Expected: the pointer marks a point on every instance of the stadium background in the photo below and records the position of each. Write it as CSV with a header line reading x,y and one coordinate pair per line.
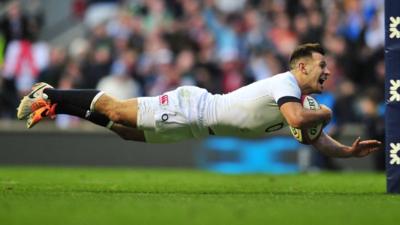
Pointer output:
x,y
146,47
71,172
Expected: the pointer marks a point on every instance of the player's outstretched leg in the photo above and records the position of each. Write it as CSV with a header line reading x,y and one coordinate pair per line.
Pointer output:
x,y
119,111
92,105
37,105
51,110
126,133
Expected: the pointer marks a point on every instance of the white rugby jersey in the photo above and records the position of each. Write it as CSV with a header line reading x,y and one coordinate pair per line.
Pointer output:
x,y
253,110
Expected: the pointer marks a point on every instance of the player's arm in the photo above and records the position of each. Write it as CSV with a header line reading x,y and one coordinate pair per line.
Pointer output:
x,y
333,148
299,117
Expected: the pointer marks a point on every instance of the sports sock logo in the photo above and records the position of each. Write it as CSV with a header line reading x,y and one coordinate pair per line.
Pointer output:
x,y
394,22
87,114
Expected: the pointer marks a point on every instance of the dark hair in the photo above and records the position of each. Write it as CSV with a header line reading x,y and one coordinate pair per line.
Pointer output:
x,y
305,50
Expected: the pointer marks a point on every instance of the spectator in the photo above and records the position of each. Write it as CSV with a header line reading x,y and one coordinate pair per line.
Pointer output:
x,y
96,67
100,11
157,16
374,121
15,24
100,38
23,62
283,38
52,73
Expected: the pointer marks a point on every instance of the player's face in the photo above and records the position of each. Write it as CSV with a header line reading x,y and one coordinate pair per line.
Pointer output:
x,y
318,72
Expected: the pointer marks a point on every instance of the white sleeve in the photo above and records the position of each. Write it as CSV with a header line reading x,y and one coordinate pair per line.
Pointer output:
x,y
284,89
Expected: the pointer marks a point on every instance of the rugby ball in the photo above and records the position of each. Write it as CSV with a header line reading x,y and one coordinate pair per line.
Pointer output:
x,y
308,135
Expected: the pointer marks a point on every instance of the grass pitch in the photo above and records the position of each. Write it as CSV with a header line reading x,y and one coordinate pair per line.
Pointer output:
x,y
30,195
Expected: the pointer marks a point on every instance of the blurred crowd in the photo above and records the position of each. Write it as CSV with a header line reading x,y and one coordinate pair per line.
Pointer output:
x,y
146,47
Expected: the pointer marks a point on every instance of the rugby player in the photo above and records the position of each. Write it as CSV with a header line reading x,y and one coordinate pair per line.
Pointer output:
x,y
188,112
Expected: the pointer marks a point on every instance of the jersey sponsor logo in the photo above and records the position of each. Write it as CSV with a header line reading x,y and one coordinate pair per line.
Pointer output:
x,y
394,157
164,117
164,100
394,31
394,91
88,113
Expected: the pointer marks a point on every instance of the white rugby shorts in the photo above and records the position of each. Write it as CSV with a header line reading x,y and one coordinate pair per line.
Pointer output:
x,y
173,116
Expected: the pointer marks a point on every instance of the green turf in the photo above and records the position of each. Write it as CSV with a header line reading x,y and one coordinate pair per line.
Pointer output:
x,y
130,196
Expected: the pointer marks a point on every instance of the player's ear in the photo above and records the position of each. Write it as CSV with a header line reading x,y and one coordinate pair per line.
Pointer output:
x,y
302,67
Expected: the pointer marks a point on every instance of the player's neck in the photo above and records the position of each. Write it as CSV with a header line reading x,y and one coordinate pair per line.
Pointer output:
x,y
302,82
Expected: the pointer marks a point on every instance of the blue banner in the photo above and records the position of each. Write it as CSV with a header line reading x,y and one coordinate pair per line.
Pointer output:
x,y
392,94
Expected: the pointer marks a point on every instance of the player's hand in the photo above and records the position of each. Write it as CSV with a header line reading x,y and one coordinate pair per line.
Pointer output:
x,y
364,148
327,114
